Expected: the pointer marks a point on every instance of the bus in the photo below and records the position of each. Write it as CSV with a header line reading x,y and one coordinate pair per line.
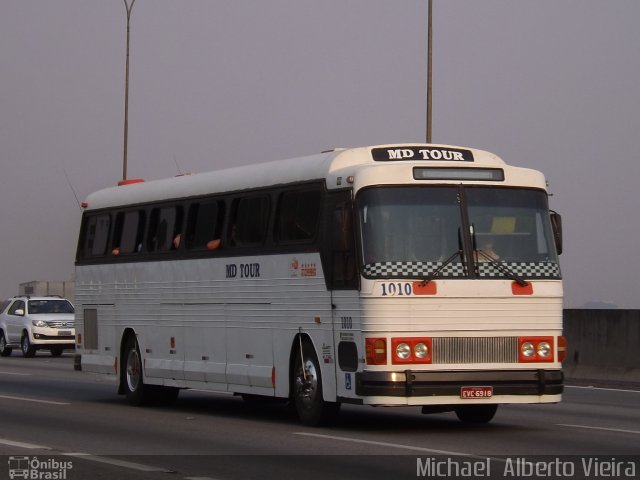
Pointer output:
x,y
395,275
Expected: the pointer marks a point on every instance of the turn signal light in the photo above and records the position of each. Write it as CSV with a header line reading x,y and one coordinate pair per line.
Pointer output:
x,y
376,351
562,348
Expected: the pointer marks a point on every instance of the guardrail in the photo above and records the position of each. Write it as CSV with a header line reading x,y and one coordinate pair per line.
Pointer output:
x,y
602,345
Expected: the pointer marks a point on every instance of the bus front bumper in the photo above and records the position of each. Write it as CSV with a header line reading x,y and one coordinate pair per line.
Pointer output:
x,y
411,383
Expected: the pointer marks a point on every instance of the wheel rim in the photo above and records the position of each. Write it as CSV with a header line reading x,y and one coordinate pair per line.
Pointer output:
x,y
133,370
307,384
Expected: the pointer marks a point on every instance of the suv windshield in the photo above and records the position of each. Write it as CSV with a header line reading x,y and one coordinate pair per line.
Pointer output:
x,y
412,231
50,306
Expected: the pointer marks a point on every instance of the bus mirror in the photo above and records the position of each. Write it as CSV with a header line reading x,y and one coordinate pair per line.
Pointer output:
x,y
556,225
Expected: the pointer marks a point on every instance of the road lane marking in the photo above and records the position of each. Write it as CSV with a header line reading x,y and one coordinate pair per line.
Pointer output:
x,y
602,388
384,444
619,430
118,463
29,446
34,400
17,374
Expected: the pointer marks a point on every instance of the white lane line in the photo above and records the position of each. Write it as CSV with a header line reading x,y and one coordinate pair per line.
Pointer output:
x,y
619,430
34,400
29,446
384,444
17,374
140,467
602,388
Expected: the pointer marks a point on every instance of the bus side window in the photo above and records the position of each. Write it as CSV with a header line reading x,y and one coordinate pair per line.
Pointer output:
x,y
341,252
128,233
298,213
204,225
250,218
165,226
96,236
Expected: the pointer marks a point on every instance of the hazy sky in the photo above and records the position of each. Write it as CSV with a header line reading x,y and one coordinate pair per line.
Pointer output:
x,y
547,84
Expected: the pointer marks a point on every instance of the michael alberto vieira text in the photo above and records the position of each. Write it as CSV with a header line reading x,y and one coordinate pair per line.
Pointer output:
x,y
521,467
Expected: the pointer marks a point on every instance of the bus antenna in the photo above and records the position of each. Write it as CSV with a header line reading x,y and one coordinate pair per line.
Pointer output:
x,y
71,187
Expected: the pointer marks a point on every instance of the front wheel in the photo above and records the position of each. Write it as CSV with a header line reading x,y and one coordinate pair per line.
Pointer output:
x,y
312,409
28,350
56,351
4,350
476,413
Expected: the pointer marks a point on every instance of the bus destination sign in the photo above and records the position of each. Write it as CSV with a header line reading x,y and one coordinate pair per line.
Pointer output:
x,y
422,153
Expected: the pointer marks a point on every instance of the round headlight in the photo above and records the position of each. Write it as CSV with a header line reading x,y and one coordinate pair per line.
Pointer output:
x,y
421,350
403,351
544,349
527,349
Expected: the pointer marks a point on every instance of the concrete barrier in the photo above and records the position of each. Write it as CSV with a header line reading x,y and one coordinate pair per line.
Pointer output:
x,y
602,345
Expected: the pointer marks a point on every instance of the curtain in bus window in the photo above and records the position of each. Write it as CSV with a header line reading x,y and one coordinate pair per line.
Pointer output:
x,y
164,229
249,225
410,231
97,235
204,225
129,231
512,226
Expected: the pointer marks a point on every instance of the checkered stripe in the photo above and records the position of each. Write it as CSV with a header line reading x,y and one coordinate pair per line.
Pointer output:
x,y
522,269
527,270
412,269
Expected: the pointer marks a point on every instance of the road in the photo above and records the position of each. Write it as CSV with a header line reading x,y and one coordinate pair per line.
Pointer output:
x,y
56,414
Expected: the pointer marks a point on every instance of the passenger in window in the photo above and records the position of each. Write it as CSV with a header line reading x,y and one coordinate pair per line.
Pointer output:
x,y
176,241
486,253
213,244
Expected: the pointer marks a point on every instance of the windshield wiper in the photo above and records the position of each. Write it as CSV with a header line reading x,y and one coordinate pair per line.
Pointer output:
x,y
438,270
503,268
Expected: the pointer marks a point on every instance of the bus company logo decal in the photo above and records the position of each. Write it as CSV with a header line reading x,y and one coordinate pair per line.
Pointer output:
x,y
422,153
304,269
36,469
294,265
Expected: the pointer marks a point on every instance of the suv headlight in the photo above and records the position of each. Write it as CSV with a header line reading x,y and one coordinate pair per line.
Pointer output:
x,y
39,323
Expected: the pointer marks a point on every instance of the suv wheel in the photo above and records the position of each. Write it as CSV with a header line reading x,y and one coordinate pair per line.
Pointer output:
x,y
56,351
28,350
4,350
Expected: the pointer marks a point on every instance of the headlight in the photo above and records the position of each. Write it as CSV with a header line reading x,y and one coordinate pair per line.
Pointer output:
x,y
527,349
421,350
39,323
544,349
403,351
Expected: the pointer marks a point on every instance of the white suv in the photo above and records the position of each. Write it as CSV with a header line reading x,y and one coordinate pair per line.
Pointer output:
x,y
33,323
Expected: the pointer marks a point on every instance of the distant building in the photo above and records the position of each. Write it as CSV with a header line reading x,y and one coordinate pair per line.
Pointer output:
x,y
64,288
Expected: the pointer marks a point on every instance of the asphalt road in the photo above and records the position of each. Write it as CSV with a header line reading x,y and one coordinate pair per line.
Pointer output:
x,y
75,425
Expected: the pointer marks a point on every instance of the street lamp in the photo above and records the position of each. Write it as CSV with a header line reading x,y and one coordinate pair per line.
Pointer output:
x,y
429,72
128,7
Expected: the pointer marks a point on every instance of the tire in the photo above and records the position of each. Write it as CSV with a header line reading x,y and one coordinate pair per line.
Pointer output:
x,y
4,350
136,391
28,350
306,389
476,414
138,394
56,351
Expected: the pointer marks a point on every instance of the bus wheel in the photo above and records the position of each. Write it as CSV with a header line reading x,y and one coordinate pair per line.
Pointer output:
x,y
307,389
133,382
476,413
4,350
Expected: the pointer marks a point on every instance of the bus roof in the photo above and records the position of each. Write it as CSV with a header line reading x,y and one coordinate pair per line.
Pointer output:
x,y
331,166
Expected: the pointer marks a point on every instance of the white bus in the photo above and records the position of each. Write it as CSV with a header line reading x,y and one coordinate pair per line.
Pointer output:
x,y
416,275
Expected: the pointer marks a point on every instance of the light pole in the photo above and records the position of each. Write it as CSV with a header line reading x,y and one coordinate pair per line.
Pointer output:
x,y
429,72
128,7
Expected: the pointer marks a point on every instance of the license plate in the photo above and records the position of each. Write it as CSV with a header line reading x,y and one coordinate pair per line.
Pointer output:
x,y
476,392
64,333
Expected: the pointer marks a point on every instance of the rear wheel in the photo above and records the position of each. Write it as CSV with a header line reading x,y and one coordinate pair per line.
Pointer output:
x,y
476,413
312,409
4,350
28,350
137,392
134,386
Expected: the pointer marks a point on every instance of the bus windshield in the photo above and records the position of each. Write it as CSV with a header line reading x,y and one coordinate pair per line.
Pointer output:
x,y
411,231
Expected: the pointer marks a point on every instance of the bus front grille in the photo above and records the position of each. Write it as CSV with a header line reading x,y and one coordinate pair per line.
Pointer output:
x,y
457,350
